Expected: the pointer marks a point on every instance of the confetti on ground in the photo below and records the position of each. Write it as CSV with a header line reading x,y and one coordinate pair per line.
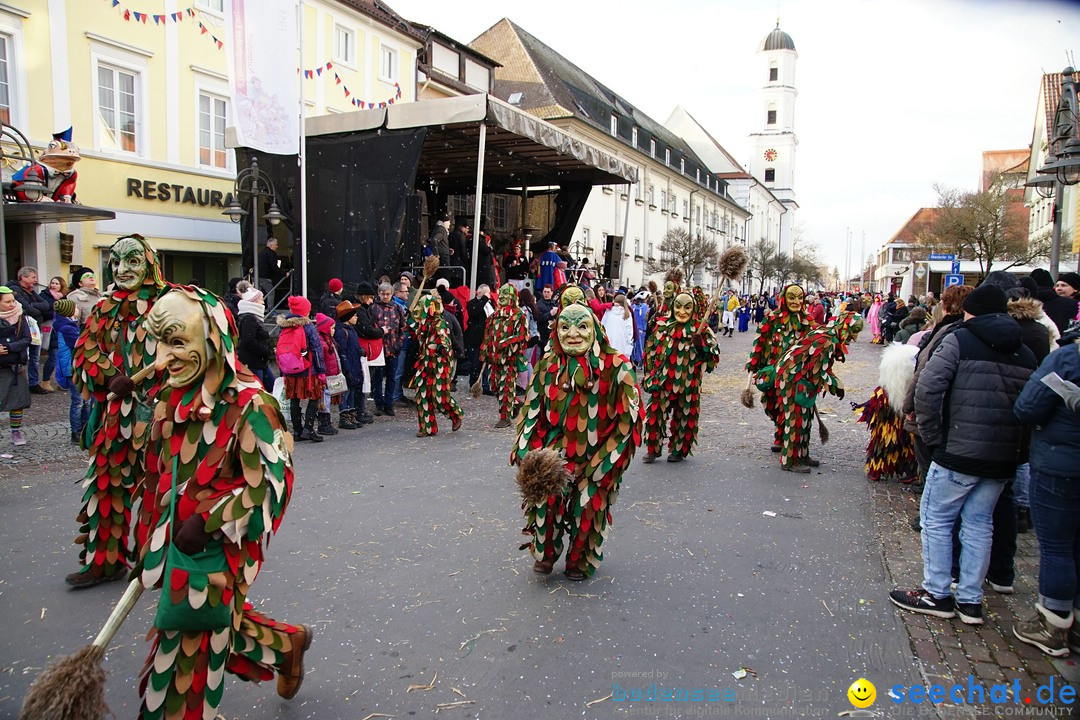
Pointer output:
x,y
597,701
424,687
769,513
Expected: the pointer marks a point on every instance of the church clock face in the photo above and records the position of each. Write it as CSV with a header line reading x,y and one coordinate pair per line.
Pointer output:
x,y
770,155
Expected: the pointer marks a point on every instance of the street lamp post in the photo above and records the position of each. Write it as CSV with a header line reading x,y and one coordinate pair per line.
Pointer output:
x,y
15,148
255,184
1064,168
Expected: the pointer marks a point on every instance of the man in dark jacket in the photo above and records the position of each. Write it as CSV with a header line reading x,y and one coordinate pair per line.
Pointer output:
x,y
547,306
440,240
479,309
460,247
253,345
963,404
36,307
269,270
1060,309
389,316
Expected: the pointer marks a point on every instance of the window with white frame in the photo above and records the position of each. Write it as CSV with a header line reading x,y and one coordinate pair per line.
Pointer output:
x,y
213,117
650,194
674,202
637,247
633,136
663,199
498,211
682,165
477,76
614,124
651,251
7,84
637,191
652,148
685,208
388,64
667,156
216,6
585,239
344,45
119,108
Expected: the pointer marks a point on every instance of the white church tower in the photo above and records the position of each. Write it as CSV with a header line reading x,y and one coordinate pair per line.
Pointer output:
x,y
773,148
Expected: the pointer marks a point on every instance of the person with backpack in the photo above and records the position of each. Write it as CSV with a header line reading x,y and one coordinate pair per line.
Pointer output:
x,y
66,327
299,357
349,353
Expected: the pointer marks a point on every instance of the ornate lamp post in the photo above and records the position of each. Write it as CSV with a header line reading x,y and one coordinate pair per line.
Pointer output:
x,y
252,183
1064,168
15,151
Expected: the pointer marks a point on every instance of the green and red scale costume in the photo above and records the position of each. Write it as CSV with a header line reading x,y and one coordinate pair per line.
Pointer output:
x,y
434,366
114,342
506,336
232,453
780,329
588,408
890,452
674,366
804,371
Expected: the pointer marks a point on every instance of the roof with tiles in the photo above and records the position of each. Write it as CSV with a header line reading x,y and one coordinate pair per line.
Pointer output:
x,y
553,87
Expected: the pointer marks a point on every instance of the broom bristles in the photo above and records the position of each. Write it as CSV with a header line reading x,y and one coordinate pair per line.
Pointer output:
x,y
733,262
72,688
542,473
747,397
431,266
822,430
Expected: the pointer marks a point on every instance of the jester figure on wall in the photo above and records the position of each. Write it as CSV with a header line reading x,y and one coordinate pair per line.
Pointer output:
x,y
434,366
681,349
804,371
218,480
113,348
780,330
506,336
583,405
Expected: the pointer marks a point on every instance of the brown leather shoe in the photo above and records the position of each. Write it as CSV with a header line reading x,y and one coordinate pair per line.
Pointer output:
x,y
503,422
543,567
455,425
291,672
421,433
574,574
80,580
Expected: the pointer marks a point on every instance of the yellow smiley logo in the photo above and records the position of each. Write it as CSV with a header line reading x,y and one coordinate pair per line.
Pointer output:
x,y
862,693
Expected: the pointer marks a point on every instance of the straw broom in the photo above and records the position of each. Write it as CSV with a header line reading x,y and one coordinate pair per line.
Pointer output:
x,y
73,687
431,266
475,388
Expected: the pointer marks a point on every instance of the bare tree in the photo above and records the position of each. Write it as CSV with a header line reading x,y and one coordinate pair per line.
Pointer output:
x,y
783,268
986,226
762,262
690,253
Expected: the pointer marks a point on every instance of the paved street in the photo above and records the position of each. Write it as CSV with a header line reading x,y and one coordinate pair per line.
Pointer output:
x,y
402,554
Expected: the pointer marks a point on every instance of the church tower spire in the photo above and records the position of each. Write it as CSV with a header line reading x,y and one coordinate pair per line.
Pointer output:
x,y
773,147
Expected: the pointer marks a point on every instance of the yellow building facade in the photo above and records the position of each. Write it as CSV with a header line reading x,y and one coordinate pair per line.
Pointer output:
x,y
145,86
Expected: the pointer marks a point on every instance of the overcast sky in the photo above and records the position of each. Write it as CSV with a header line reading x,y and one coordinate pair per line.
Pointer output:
x,y
894,95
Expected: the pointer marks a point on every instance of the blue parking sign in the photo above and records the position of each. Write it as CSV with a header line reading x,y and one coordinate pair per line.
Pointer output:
x,y
953,279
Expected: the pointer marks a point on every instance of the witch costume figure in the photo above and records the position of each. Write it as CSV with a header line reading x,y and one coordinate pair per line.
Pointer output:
x,y
506,336
804,371
582,407
218,479
434,366
890,451
782,327
113,348
684,349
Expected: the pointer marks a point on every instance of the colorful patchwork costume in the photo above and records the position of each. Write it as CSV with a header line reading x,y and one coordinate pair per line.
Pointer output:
x,y
804,371
891,449
582,402
226,440
114,343
782,327
434,366
506,336
684,349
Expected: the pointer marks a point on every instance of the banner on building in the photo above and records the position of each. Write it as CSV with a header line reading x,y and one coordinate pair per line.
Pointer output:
x,y
262,65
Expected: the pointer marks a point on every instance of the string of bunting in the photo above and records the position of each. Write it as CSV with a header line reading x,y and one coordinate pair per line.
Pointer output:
x,y
356,102
161,18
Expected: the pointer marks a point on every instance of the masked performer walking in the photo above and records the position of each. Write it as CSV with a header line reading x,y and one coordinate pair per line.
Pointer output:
x,y
782,327
683,351
434,366
582,402
505,339
218,479
804,371
114,347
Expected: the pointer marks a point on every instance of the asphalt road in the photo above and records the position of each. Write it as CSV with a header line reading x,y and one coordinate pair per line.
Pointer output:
x,y
402,554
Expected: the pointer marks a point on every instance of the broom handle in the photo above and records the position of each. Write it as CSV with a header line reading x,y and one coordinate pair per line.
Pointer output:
x,y
138,377
119,613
